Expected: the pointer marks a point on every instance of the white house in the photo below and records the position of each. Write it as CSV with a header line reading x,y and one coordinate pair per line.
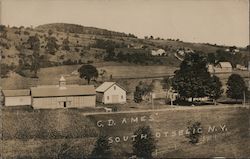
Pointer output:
x,y
223,67
111,93
241,67
63,96
158,52
19,97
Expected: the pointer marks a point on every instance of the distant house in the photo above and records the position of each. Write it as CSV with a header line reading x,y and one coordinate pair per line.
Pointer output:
x,y
224,67
19,97
111,93
240,67
221,67
158,52
63,96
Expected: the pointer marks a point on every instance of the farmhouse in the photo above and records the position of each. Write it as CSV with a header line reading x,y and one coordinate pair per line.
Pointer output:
x,y
19,97
221,67
158,52
241,67
63,96
111,93
224,67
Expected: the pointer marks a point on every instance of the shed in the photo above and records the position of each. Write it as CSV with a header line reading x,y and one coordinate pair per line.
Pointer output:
x,y
111,93
18,97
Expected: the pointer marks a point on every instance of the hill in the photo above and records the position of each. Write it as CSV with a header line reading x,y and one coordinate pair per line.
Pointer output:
x,y
70,44
79,29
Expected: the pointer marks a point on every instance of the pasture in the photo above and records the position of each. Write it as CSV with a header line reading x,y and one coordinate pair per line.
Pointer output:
x,y
43,133
51,75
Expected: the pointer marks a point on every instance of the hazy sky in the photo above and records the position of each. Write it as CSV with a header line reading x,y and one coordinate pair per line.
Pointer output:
x,y
213,21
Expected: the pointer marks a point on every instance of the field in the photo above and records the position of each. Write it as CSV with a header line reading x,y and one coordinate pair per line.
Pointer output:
x,y
36,134
51,75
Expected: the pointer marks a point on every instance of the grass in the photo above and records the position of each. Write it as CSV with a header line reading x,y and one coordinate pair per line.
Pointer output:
x,y
51,75
74,126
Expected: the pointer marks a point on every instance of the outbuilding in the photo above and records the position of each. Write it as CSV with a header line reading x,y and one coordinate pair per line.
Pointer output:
x,y
63,96
18,97
111,93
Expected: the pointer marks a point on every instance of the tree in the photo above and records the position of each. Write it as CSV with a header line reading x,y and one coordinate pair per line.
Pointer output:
x,y
110,50
65,44
88,72
35,65
248,47
194,130
102,148
215,88
51,46
235,87
141,90
192,80
34,42
211,58
144,146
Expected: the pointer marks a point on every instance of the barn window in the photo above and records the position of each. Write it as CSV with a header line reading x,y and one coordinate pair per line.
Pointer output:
x,y
107,97
114,87
121,96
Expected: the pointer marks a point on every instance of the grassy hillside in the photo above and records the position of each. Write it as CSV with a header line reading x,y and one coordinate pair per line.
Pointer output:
x,y
90,45
39,134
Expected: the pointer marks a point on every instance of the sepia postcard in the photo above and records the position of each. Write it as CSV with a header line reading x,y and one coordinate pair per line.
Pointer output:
x,y
124,79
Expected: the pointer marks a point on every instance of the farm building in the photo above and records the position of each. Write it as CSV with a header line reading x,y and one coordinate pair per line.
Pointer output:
x,y
241,67
19,97
158,52
111,93
221,67
63,96
224,67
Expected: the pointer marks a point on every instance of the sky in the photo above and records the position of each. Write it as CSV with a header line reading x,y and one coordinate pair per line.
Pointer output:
x,y
224,22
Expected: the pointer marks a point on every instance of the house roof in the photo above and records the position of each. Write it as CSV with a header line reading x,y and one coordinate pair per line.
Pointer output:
x,y
106,85
225,64
68,90
16,92
62,79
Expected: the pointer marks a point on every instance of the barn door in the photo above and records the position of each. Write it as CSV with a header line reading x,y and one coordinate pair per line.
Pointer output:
x,y
115,98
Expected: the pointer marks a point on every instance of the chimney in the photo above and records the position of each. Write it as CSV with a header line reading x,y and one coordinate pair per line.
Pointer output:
x,y
62,83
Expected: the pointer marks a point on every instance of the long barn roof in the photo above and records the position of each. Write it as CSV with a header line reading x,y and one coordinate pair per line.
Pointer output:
x,y
56,91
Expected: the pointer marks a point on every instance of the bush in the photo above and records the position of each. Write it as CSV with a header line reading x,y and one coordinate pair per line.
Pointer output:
x,y
195,132
102,148
144,147
26,33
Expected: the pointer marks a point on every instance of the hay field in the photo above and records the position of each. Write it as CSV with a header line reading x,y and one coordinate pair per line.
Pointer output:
x,y
22,132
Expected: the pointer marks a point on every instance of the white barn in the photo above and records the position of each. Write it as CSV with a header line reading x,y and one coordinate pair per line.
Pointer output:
x,y
19,97
111,93
63,96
